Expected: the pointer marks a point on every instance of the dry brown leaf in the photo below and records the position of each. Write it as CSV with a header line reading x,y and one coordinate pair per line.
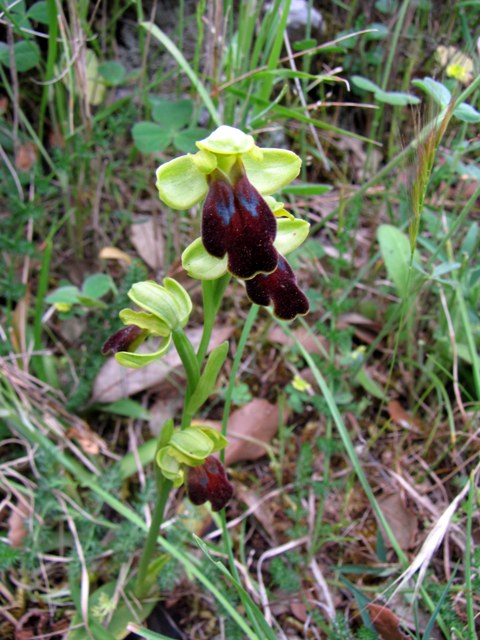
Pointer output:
x,y
250,429
26,156
147,238
263,512
17,530
402,521
313,344
402,418
89,441
114,382
386,623
164,409
112,253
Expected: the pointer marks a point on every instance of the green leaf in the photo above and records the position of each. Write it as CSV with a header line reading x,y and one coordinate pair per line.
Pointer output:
x,y
396,98
128,408
208,378
380,32
369,384
436,90
307,189
63,295
93,303
39,12
364,83
26,54
466,113
172,115
185,140
127,608
150,137
396,252
112,72
97,285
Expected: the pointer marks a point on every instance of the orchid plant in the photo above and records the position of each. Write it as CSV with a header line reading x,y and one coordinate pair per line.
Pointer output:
x,y
245,233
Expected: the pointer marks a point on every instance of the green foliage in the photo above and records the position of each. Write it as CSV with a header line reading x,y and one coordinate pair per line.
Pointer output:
x,y
171,126
286,572
9,556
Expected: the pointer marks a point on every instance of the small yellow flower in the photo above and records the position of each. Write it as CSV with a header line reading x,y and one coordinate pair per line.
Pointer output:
x,y
458,65
299,384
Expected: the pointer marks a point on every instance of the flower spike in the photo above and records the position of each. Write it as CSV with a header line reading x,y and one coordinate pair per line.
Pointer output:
x,y
236,220
279,288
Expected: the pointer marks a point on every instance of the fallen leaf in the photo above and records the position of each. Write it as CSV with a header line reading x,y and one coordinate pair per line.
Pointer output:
x,y
114,381
250,429
112,253
17,531
26,156
403,418
401,520
147,238
310,342
164,409
89,441
263,512
386,623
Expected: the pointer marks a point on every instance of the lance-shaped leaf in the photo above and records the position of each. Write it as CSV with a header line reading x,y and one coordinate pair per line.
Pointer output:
x,y
279,288
208,378
238,222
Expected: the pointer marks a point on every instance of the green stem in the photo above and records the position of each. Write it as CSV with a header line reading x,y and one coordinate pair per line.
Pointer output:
x,y
233,374
212,291
142,585
189,360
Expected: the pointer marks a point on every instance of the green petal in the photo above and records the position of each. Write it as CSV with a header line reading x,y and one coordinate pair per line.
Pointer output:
x,y
145,321
172,306
205,161
290,234
180,298
227,140
198,263
170,466
218,440
275,169
277,208
138,360
180,183
191,446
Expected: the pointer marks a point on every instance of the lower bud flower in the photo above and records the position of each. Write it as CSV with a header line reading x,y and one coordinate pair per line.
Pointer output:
x,y
209,481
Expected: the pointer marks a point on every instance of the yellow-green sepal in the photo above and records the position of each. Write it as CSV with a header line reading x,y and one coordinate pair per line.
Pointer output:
x,y
181,183
138,360
146,321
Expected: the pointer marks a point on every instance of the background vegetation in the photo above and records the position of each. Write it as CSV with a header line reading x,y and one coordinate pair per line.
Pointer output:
x,y
358,425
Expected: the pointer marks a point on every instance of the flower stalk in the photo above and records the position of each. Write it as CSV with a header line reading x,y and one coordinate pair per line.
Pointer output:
x,y
246,234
